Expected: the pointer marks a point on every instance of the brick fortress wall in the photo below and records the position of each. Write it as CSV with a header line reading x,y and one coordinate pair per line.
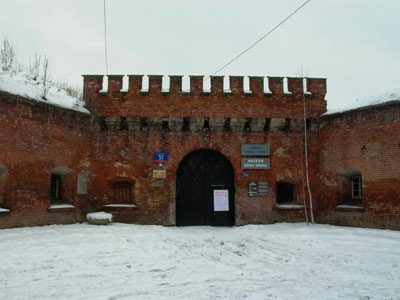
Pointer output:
x,y
366,142
36,138
117,142
133,124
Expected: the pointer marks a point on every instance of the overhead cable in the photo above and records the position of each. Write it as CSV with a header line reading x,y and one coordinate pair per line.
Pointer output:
x,y
261,38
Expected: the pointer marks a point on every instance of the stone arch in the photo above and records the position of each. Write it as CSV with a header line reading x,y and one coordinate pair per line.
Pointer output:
x,y
61,170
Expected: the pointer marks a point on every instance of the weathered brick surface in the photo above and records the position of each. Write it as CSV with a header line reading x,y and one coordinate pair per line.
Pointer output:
x,y
35,138
366,140
157,205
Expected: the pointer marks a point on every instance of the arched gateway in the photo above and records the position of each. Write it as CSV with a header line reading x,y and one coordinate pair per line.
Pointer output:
x,y
205,190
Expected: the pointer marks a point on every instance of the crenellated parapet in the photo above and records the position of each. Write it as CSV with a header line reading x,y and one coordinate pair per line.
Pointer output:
x,y
271,101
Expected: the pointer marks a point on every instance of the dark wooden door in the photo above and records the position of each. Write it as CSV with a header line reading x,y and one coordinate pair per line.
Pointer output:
x,y
198,175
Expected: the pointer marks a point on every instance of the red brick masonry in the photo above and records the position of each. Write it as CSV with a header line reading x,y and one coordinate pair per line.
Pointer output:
x,y
117,141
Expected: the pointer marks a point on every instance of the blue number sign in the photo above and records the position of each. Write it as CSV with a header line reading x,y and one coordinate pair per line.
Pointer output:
x,y
160,157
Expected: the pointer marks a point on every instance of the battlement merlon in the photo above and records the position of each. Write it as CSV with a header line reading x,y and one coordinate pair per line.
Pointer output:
x,y
103,101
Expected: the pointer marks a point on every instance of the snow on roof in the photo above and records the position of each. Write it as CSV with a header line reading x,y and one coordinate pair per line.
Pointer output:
x,y
379,98
23,85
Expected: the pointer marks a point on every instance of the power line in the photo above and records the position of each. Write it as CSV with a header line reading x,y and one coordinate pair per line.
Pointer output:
x,y
261,38
105,36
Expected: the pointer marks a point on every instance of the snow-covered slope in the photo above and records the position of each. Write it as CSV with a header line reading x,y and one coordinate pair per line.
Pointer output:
x,y
379,98
124,262
23,85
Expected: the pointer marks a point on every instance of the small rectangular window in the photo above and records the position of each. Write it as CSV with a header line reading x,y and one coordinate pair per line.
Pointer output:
x,y
284,192
186,124
356,187
55,187
123,124
227,125
165,124
123,193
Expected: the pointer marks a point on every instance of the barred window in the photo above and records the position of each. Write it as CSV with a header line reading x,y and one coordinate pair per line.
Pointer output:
x,y
350,187
356,187
123,192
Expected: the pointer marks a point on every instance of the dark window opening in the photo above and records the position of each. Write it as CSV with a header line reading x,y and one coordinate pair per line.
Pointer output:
x,y
164,124
123,125
103,123
227,125
267,125
3,171
247,125
186,124
350,187
286,128
55,187
123,193
206,125
284,192
308,124
3,174
356,187
143,124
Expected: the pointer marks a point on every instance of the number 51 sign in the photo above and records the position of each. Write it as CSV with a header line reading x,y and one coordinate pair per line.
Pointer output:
x,y
160,157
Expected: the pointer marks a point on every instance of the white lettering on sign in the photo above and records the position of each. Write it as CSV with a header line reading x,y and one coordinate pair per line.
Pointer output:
x,y
221,200
255,160
255,163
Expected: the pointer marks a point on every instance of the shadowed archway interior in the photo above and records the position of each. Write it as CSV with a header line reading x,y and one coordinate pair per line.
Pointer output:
x,y
199,175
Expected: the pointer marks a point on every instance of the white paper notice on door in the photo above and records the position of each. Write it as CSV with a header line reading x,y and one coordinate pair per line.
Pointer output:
x,y
221,200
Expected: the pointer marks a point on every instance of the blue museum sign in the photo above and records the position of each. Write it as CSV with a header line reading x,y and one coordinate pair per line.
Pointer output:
x,y
255,149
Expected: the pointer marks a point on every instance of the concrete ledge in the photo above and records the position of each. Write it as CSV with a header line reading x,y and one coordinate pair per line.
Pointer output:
x,y
289,206
4,211
119,207
349,208
61,207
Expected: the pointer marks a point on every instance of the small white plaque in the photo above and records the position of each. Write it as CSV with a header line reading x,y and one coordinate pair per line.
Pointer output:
x,y
221,200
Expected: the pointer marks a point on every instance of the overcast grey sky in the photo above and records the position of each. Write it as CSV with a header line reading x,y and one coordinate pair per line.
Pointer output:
x,y
355,44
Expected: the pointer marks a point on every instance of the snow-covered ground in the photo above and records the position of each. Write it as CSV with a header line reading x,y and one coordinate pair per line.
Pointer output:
x,y
122,261
23,85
